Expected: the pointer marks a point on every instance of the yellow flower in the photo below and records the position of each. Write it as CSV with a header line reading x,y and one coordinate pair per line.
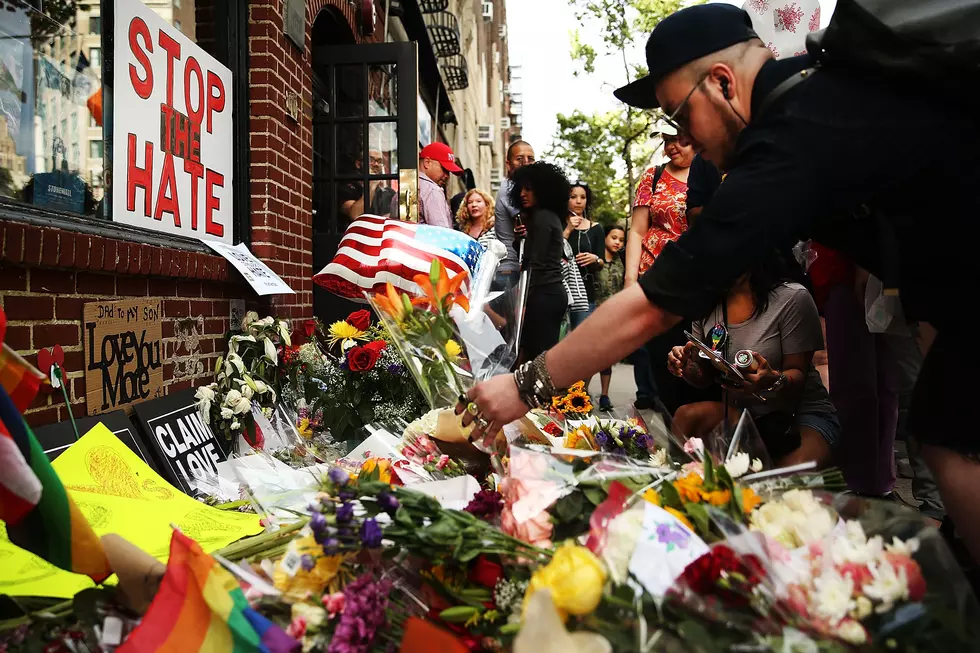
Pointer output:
x,y
750,500
302,583
652,496
580,438
578,386
718,497
453,350
343,331
681,517
689,488
304,428
375,469
574,577
578,402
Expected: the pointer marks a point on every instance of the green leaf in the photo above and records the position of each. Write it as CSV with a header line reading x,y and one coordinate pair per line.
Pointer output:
x,y
569,507
709,471
594,495
669,496
699,516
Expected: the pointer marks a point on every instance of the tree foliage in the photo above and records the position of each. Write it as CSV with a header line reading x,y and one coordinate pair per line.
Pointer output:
x,y
601,147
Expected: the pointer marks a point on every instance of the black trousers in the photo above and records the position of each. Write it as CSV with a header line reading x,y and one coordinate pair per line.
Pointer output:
x,y
544,310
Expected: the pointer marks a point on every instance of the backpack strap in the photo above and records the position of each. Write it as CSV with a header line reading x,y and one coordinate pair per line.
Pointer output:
x,y
789,83
656,177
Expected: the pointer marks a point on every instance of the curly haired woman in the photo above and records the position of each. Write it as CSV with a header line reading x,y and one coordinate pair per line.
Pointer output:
x,y
475,216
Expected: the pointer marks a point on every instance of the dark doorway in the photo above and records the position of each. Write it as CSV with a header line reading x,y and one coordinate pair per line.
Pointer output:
x,y
365,138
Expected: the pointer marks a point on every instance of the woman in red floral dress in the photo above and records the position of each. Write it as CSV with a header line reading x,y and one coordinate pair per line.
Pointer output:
x,y
659,216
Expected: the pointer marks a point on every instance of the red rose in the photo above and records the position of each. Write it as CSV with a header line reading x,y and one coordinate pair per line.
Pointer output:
x,y
360,320
485,572
362,359
309,328
740,573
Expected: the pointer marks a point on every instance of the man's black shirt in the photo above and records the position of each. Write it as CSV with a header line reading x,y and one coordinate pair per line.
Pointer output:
x,y
703,180
885,174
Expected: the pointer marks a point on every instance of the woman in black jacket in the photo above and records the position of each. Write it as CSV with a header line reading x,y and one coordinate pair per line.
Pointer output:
x,y
541,190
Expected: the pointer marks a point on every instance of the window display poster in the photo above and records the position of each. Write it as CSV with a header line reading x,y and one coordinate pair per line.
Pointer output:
x,y
172,117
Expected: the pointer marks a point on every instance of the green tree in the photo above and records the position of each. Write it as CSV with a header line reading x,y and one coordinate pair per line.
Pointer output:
x,y
603,146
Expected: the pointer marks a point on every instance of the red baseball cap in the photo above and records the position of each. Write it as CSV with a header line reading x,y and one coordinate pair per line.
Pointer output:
x,y
440,152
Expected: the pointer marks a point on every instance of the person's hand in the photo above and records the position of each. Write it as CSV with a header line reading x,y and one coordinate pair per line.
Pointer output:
x,y
585,258
496,402
574,220
677,359
520,230
755,382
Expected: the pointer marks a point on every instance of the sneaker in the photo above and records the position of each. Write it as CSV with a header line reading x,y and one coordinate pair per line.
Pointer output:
x,y
604,404
643,403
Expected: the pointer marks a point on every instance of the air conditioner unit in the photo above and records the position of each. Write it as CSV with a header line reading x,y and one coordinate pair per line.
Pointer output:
x,y
494,188
484,134
504,124
487,11
496,175
503,32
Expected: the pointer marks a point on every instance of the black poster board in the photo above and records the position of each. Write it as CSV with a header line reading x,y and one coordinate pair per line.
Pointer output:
x,y
182,443
56,438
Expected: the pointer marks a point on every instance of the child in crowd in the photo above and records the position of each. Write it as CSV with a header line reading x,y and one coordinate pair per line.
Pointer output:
x,y
609,281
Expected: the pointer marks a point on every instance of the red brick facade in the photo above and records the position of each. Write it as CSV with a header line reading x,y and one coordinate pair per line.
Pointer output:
x,y
47,274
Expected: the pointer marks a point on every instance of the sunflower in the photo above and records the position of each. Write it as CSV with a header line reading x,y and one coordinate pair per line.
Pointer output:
x,y
578,402
578,386
343,332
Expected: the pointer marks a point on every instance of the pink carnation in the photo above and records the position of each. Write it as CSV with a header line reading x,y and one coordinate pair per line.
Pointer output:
x,y
536,530
334,603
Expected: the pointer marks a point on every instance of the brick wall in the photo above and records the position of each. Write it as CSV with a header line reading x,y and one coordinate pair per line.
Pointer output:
x,y
47,275
281,151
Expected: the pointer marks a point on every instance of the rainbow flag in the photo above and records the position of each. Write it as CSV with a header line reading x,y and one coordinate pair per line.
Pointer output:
x,y
17,376
201,607
40,516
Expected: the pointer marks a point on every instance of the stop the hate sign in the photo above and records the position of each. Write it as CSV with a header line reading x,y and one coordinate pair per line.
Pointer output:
x,y
172,125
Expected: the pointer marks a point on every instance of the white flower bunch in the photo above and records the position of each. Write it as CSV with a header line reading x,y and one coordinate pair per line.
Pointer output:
x,y
794,520
739,464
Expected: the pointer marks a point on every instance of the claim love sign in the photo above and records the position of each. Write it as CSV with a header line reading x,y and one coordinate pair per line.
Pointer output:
x,y
172,120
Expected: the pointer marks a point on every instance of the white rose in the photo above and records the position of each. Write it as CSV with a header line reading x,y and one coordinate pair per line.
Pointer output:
x,y
242,406
250,317
226,413
246,391
236,425
232,397
205,393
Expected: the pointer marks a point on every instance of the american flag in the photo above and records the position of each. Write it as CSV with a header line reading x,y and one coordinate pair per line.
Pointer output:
x,y
375,251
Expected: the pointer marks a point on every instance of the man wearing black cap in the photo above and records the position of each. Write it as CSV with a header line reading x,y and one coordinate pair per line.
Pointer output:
x,y
822,154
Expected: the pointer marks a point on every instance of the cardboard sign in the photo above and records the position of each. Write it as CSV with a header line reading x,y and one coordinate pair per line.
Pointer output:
x,y
56,438
184,445
172,120
123,348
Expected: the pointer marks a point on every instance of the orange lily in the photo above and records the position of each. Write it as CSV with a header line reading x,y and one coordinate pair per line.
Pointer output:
x,y
391,303
446,292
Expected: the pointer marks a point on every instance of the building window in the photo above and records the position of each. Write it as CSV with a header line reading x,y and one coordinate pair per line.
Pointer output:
x,y
95,25
177,6
95,57
96,149
177,24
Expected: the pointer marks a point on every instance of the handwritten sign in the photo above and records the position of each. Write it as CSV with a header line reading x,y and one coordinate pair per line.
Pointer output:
x,y
123,364
184,444
55,439
262,279
172,113
118,493
664,549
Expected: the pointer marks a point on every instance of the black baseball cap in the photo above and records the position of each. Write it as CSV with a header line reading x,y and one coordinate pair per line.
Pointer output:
x,y
682,37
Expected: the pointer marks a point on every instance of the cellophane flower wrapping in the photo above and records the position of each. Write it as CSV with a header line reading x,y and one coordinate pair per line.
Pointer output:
x,y
448,342
837,570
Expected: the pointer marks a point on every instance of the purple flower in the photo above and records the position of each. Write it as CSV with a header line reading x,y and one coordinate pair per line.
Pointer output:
x,y
365,603
371,534
338,476
346,495
485,504
331,545
643,441
318,523
602,438
345,513
388,503
307,562
395,368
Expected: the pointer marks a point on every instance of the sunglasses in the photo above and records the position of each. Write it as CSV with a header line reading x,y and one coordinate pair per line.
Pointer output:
x,y
675,119
581,183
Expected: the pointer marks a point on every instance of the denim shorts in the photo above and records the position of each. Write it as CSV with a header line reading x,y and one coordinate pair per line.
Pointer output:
x,y
824,423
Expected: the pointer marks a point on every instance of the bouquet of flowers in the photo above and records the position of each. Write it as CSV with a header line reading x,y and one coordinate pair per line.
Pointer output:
x,y
247,374
349,375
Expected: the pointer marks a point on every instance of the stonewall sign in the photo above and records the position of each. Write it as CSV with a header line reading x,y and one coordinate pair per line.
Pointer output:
x,y
123,349
172,151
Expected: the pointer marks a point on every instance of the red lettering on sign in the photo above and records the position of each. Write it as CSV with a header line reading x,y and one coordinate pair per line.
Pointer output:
x,y
137,177
166,128
212,203
142,84
216,102
167,195
173,53
197,115
196,171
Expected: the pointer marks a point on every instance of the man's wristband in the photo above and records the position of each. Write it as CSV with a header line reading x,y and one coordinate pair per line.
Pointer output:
x,y
534,384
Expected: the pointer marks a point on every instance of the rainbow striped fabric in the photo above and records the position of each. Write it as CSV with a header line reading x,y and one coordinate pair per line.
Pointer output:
x,y
17,377
40,516
201,607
